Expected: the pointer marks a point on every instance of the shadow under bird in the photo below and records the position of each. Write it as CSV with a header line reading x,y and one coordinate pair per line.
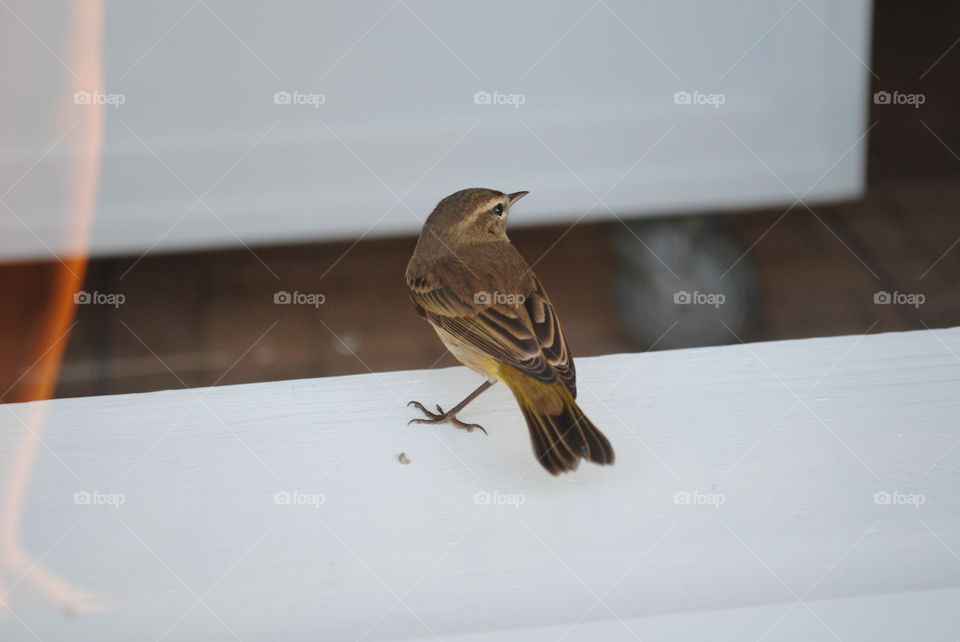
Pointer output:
x,y
491,312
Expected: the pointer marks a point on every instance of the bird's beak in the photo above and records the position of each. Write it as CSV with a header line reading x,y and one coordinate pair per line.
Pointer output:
x,y
516,196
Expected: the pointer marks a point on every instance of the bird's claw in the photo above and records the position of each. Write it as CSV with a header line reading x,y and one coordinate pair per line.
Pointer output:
x,y
440,417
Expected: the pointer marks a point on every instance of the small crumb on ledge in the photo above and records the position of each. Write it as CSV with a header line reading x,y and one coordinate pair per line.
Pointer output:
x,y
403,459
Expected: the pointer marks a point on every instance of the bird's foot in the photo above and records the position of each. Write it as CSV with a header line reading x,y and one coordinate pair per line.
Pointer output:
x,y
440,417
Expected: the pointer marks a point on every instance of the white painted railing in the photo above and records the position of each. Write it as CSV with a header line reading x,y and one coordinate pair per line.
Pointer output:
x,y
797,490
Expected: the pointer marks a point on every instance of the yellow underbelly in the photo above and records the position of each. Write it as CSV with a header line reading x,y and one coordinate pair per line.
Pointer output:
x,y
469,356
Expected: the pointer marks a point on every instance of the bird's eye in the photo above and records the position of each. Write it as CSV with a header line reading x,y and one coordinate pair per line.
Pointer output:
x,y
498,209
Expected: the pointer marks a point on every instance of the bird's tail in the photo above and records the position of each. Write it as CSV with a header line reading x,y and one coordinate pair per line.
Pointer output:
x,y
561,434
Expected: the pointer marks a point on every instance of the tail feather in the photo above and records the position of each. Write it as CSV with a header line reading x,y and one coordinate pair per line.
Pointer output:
x,y
559,431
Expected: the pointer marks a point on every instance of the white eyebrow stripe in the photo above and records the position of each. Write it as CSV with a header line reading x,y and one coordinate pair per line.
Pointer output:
x,y
495,200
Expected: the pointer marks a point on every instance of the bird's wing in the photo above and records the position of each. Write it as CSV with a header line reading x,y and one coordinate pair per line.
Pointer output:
x,y
553,344
526,336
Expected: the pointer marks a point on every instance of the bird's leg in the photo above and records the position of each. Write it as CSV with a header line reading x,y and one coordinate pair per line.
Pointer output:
x,y
450,416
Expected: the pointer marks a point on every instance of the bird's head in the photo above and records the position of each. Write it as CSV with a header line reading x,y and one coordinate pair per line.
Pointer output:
x,y
473,215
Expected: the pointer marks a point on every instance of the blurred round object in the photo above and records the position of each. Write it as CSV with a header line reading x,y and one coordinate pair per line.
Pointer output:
x,y
683,282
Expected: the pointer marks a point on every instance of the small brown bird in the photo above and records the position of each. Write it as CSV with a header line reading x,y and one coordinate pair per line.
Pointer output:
x,y
492,314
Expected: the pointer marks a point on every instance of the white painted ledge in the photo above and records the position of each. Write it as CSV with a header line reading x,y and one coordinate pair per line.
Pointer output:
x,y
604,553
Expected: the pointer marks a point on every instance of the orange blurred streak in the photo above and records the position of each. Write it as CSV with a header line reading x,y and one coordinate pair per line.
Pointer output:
x,y
84,37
